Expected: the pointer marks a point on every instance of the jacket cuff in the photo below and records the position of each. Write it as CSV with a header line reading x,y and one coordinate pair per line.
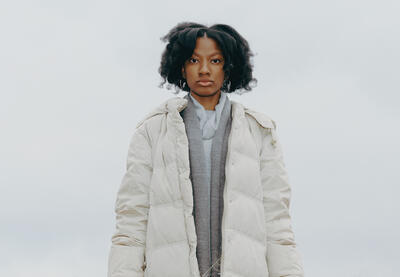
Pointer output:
x,y
126,261
284,261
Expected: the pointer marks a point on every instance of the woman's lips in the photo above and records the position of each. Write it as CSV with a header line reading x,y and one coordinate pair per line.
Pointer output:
x,y
205,83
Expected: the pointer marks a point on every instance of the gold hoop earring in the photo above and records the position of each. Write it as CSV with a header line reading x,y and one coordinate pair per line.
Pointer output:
x,y
182,84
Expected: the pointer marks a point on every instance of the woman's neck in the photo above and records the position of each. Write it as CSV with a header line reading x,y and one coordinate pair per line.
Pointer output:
x,y
208,102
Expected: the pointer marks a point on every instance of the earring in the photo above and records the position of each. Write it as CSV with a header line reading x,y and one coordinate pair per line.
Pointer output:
x,y
182,84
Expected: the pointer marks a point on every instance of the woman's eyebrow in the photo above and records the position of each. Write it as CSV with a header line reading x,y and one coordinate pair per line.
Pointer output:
x,y
213,54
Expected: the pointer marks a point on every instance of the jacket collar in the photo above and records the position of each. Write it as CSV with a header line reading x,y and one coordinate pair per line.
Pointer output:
x,y
174,105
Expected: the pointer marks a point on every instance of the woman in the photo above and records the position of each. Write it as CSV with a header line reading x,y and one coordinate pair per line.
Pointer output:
x,y
206,192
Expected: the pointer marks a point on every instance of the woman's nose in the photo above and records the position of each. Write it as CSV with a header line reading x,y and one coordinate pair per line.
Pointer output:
x,y
204,68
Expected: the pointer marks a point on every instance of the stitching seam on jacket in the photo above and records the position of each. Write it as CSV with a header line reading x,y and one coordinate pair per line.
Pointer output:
x,y
158,247
248,236
167,203
246,195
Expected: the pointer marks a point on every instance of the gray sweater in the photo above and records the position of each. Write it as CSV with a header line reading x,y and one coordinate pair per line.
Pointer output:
x,y
208,120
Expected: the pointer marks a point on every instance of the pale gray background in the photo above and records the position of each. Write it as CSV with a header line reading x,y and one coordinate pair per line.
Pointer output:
x,y
76,77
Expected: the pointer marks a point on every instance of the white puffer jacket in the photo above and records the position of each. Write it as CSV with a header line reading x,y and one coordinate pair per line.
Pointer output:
x,y
155,230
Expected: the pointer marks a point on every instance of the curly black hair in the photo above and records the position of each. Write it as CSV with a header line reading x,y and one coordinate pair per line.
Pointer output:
x,y
181,43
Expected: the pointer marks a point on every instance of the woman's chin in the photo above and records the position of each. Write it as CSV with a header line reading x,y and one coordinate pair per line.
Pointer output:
x,y
205,91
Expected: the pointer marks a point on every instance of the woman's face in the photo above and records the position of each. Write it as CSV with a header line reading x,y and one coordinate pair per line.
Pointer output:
x,y
203,71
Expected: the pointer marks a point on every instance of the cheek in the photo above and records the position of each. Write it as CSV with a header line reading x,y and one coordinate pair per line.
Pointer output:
x,y
190,75
221,77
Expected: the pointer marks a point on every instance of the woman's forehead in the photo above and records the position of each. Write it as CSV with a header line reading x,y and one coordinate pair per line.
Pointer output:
x,y
206,47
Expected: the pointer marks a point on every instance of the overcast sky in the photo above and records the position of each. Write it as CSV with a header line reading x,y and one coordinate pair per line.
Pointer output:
x,y
76,77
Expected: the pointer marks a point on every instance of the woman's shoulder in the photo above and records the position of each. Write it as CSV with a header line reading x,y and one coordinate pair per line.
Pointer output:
x,y
261,118
154,116
254,116
261,124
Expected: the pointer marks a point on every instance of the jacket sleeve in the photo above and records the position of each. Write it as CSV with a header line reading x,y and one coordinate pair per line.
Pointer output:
x,y
126,256
283,259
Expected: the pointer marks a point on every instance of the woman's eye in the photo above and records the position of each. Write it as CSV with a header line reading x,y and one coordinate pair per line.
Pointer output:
x,y
218,60
194,60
